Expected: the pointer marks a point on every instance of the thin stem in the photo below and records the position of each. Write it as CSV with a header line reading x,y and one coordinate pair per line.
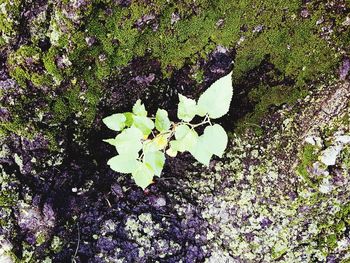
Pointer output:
x,y
209,121
109,203
206,120
78,245
252,124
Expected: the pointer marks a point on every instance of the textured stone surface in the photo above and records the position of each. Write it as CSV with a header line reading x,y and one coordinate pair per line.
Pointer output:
x,y
279,194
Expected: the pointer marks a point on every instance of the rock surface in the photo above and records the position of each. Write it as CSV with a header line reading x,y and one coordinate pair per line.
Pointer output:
x,y
280,193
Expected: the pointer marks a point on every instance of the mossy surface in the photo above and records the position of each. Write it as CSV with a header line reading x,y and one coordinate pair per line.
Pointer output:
x,y
308,156
9,15
92,41
265,99
64,65
346,157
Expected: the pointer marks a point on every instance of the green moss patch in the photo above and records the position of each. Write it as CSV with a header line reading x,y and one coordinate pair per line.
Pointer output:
x,y
308,156
94,45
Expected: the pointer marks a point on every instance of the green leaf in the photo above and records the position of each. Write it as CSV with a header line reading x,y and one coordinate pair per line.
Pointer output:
x,y
171,152
149,146
123,163
128,142
143,175
212,141
216,100
139,109
181,131
162,120
155,160
129,119
157,143
216,139
187,108
185,137
145,124
161,140
111,141
115,122
201,152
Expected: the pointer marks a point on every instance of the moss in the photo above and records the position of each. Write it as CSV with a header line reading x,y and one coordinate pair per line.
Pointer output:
x,y
333,229
49,61
82,104
198,76
345,157
344,121
40,238
60,110
264,98
22,66
41,80
17,126
51,137
23,53
20,63
340,227
8,198
344,213
103,70
308,155
293,43
331,241
20,75
9,15
269,29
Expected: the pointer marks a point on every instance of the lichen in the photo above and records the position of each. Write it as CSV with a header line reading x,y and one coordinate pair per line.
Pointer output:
x,y
9,15
266,204
280,194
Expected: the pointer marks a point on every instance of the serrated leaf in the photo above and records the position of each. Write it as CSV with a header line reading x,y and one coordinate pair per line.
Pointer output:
x,y
201,152
162,120
212,141
216,100
128,142
139,109
144,124
185,137
155,160
115,122
216,139
143,175
157,143
123,163
149,146
111,141
129,119
187,108
161,141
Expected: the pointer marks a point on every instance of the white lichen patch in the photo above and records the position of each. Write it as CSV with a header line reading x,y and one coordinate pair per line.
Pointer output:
x,y
265,211
329,156
314,140
5,251
18,161
143,231
32,220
